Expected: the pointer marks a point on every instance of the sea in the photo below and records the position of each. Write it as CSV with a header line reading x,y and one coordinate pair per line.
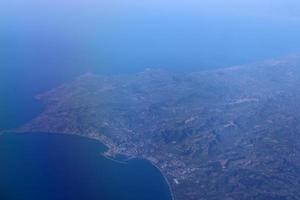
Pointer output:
x,y
55,166
35,57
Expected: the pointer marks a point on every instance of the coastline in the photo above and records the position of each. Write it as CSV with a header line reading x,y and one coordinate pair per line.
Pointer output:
x,y
153,164
166,179
109,157
172,194
114,160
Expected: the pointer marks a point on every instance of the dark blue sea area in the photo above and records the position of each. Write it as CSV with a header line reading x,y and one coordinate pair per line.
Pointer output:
x,y
55,166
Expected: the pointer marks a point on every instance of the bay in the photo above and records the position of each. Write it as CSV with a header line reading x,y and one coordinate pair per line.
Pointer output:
x,y
56,166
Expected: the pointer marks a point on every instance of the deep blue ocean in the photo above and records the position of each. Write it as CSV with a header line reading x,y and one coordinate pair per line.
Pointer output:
x,y
36,56
60,167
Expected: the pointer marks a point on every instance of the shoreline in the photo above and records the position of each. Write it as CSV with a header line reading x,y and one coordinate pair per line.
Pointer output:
x,y
114,160
102,153
166,179
147,160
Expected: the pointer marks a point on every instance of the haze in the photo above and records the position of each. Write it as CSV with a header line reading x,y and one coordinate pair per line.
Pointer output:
x,y
138,34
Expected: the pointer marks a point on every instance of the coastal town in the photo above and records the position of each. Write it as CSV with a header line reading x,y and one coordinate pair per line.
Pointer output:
x,y
228,134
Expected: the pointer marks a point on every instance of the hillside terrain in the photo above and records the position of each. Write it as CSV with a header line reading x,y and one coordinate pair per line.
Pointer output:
x,y
230,134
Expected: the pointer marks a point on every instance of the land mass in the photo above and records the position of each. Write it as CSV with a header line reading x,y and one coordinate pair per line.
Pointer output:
x,y
228,134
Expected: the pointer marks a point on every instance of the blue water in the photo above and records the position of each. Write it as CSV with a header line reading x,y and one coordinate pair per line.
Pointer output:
x,y
40,59
42,47
60,167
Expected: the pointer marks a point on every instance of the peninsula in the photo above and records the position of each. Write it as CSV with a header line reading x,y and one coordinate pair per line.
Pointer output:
x,y
228,134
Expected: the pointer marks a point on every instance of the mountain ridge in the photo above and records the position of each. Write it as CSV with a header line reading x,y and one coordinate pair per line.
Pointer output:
x,y
225,134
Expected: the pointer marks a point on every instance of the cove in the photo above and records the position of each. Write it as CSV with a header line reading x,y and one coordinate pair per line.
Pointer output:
x,y
56,166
